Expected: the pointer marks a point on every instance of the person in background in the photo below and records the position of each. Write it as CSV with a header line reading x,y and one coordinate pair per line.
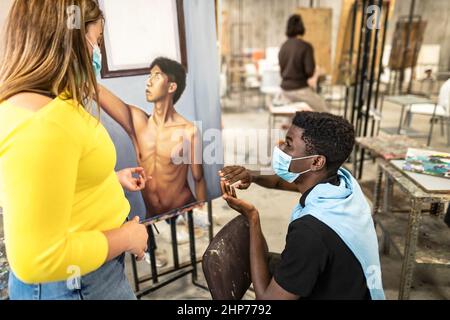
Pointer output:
x,y
64,207
298,68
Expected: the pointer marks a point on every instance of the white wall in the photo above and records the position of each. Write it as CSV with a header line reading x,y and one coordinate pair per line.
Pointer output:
x,y
268,20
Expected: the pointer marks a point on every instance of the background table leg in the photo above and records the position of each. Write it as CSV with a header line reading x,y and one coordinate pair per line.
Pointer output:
x,y
406,277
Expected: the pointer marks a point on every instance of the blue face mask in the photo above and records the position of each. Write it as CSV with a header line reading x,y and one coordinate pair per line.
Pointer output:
x,y
281,163
96,59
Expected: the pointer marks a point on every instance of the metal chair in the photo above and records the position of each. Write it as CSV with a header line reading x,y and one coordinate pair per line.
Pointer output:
x,y
438,112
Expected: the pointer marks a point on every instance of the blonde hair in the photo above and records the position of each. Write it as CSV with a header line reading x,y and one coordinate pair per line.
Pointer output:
x,y
44,54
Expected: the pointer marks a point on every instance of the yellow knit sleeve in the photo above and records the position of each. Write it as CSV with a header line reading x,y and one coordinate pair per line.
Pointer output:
x,y
39,177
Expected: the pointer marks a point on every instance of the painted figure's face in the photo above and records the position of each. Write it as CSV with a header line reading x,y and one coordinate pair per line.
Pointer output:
x,y
158,85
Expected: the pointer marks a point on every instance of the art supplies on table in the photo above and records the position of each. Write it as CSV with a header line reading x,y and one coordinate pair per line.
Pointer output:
x,y
434,163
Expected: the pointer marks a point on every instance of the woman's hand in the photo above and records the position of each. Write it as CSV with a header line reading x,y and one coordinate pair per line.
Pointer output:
x,y
137,238
129,182
246,209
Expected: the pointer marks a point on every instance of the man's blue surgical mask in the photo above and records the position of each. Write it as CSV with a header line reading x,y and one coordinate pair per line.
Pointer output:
x,y
96,59
281,163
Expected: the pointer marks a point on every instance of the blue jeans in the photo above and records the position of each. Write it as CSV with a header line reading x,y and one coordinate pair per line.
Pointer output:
x,y
106,283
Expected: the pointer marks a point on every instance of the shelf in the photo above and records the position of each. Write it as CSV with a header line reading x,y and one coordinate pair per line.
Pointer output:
x,y
433,244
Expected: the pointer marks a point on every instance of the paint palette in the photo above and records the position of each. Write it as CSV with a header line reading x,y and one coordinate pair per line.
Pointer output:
x,y
434,163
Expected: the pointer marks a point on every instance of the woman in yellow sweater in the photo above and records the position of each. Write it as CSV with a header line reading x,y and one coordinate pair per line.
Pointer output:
x,y
64,207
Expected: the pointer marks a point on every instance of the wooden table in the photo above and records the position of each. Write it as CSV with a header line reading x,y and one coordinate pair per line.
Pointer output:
x,y
433,251
387,147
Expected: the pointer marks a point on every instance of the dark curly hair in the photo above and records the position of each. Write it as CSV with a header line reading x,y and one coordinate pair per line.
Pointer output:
x,y
295,26
174,71
327,135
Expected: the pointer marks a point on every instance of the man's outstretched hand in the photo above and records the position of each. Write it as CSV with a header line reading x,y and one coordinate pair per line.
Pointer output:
x,y
246,209
237,176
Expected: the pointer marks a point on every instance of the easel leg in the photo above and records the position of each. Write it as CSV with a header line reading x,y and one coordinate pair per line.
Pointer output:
x,y
192,246
151,251
361,163
210,220
192,251
173,230
135,273
355,161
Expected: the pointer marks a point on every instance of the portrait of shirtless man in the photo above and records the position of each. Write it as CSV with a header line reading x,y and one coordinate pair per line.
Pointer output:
x,y
167,145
